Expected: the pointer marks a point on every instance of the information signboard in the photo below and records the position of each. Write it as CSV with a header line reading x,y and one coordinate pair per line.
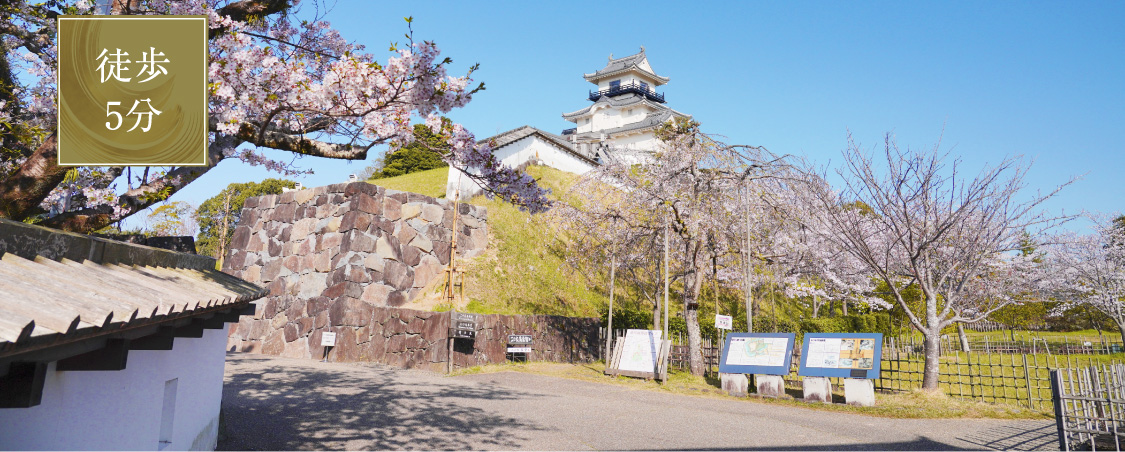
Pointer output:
x,y
757,353
724,322
327,339
844,355
463,325
640,351
520,339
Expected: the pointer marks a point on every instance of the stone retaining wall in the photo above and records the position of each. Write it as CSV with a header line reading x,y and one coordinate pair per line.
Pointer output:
x,y
418,339
342,258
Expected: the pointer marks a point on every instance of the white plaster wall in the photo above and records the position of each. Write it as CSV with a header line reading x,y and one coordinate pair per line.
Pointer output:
x,y
627,78
121,410
606,118
584,125
514,155
644,141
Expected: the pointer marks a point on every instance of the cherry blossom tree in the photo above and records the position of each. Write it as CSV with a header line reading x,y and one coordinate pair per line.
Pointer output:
x,y
691,187
1090,268
276,83
932,228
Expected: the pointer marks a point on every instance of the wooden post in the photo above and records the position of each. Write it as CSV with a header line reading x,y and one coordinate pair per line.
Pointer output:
x,y
612,275
749,281
1027,382
666,272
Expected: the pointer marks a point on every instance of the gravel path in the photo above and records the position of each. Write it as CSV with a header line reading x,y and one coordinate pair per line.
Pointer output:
x,y
272,403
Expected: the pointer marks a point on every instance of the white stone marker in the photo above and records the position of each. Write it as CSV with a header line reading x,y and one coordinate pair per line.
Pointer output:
x,y
817,389
734,384
770,385
859,392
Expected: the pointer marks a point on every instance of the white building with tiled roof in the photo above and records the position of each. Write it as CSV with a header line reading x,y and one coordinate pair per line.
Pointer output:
x,y
626,108
107,345
625,113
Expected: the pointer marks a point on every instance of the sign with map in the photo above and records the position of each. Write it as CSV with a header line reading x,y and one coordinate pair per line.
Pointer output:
x,y
640,351
757,353
845,355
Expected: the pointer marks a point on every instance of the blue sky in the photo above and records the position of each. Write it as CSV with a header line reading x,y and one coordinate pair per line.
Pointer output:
x,y
1045,80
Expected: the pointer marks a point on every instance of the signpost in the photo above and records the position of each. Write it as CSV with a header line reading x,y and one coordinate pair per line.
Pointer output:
x,y
519,346
327,340
724,322
461,326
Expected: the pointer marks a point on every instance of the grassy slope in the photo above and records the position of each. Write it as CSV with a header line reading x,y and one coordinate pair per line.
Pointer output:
x,y
522,271
429,183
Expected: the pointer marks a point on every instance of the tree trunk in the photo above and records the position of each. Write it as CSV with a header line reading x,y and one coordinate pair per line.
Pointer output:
x,y
23,190
844,305
964,338
815,306
932,350
1121,329
693,286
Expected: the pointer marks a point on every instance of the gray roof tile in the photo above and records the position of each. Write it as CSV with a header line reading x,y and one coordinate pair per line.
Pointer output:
x,y
618,65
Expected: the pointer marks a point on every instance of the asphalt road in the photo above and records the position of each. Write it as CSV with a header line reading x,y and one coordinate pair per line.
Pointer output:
x,y
272,403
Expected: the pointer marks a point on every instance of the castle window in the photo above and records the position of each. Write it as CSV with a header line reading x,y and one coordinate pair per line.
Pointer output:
x,y
615,85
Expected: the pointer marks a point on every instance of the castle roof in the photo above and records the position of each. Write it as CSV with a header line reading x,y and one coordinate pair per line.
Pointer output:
x,y
626,100
636,62
519,133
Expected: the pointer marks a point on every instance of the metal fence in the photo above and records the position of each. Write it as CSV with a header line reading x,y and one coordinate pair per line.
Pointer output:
x,y
1089,405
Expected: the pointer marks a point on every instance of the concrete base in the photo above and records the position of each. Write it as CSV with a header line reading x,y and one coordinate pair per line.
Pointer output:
x,y
859,392
734,384
817,389
770,385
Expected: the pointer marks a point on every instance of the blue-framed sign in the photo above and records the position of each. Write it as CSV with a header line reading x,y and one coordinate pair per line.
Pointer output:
x,y
757,353
844,355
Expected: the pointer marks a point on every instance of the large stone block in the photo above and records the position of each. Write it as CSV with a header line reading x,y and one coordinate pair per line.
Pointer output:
x,y
304,196
432,213
376,294
354,220
411,255
284,213
350,312
352,188
392,208
367,203
398,275
441,251
312,284
427,271
388,247
374,262
411,210
405,235
302,228
397,298
423,243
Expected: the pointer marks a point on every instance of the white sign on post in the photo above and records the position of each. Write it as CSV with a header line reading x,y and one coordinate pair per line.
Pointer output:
x,y
724,322
328,339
